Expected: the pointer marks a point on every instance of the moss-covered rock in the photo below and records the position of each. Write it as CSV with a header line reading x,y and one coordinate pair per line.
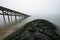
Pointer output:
x,y
38,29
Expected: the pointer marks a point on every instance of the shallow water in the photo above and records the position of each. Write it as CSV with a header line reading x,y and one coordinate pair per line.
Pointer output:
x,y
2,22
52,18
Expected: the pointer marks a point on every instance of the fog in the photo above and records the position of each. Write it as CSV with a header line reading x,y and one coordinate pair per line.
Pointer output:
x,y
37,9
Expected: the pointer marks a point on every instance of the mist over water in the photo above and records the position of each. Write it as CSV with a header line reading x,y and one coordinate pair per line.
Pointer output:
x,y
2,22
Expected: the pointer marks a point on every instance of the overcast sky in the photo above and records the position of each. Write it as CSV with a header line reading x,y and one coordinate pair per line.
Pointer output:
x,y
33,7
